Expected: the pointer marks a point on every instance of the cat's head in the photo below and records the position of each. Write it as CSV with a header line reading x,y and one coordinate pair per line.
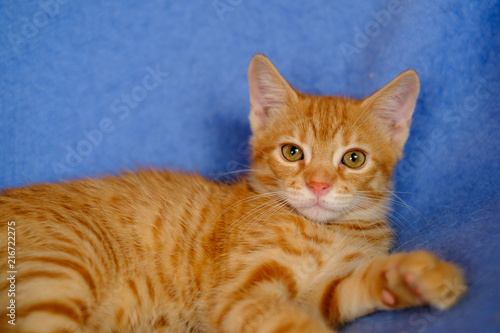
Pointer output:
x,y
327,157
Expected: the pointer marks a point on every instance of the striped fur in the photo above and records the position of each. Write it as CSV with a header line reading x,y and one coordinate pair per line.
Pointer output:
x,y
155,251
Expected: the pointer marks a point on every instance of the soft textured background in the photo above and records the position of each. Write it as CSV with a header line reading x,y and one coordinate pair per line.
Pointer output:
x,y
67,66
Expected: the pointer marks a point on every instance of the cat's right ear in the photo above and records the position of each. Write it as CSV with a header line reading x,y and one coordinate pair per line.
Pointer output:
x,y
393,106
269,91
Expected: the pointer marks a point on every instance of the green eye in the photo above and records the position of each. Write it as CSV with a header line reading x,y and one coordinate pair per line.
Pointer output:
x,y
354,159
292,153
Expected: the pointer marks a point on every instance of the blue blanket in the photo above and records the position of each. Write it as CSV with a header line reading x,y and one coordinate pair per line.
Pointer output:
x,y
94,87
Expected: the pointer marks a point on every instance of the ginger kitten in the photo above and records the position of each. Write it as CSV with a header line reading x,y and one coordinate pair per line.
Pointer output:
x,y
299,245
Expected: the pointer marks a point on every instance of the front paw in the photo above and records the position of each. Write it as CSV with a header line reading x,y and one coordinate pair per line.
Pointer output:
x,y
419,278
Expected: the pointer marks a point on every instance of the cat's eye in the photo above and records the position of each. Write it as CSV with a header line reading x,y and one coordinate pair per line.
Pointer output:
x,y
354,159
292,153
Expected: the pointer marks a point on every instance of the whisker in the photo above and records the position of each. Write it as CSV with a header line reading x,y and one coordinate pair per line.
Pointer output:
x,y
274,206
245,200
269,212
249,169
271,203
398,221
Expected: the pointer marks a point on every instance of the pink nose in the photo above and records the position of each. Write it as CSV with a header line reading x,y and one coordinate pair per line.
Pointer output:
x,y
318,188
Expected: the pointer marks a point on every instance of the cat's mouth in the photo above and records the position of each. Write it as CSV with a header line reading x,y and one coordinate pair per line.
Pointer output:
x,y
319,212
324,209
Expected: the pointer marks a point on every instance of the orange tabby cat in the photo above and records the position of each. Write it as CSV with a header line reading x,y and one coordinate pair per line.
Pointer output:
x,y
300,245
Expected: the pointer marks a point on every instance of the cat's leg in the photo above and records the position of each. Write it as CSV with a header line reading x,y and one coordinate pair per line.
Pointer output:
x,y
393,282
264,302
55,283
50,297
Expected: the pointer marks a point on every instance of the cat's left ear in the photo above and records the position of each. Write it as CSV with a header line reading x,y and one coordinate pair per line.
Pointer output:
x,y
393,105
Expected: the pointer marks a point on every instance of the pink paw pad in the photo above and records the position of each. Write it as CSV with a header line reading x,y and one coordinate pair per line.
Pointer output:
x,y
388,298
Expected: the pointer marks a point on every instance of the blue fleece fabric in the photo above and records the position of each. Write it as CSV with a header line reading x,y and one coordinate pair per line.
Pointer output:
x,y
94,87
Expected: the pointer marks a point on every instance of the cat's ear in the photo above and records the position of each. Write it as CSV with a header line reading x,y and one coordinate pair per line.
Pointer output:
x,y
393,105
268,91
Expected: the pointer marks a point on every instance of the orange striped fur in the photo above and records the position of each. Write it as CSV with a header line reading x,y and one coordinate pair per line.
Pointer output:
x,y
295,246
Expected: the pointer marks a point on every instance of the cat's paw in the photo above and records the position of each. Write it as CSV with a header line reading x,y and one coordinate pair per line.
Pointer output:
x,y
419,278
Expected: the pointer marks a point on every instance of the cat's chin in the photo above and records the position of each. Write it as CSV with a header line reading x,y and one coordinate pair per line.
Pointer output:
x,y
319,214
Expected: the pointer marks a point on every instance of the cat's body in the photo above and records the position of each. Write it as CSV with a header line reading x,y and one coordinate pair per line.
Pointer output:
x,y
300,245
164,259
